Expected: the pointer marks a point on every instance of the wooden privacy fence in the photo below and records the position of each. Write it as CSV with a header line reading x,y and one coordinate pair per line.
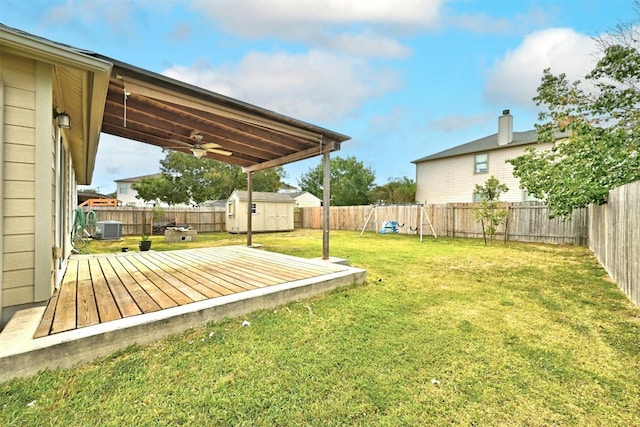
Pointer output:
x,y
526,221
614,237
139,220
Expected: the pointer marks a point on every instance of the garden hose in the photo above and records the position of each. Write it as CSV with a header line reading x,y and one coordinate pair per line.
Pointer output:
x,y
82,223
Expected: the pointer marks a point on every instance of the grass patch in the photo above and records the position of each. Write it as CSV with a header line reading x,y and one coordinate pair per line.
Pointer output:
x,y
446,331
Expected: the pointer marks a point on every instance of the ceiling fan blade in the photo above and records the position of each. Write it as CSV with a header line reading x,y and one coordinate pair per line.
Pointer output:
x,y
208,145
220,152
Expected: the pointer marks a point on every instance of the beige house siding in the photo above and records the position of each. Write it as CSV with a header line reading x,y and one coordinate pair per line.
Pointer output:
x,y
456,179
45,171
19,78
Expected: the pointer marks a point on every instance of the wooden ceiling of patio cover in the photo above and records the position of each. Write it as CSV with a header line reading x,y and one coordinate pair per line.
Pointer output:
x,y
154,109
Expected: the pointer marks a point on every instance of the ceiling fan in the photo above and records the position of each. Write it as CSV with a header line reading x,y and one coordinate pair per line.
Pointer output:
x,y
200,149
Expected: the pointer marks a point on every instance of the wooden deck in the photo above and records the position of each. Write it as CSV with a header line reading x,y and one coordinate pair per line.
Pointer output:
x,y
101,288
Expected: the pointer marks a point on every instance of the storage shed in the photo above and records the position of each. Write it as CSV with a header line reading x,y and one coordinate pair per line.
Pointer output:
x,y
269,212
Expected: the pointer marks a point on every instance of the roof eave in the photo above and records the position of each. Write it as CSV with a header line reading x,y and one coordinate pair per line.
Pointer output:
x,y
93,91
205,95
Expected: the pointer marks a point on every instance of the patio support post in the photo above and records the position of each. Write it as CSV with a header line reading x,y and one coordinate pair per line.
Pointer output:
x,y
249,204
326,200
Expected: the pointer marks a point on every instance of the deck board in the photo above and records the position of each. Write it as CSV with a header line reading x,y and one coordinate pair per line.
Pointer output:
x,y
125,302
101,288
143,300
87,311
65,314
191,294
106,305
44,328
210,279
180,273
235,281
162,299
275,274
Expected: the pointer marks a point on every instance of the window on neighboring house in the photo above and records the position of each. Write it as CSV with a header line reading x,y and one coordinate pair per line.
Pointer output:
x,y
477,198
482,163
526,197
254,208
122,187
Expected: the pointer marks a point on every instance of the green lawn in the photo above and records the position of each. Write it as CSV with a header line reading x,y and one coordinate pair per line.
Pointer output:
x,y
446,331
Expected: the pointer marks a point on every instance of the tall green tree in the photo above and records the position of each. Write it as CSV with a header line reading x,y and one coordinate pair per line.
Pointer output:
x,y
491,212
188,179
351,182
396,190
602,118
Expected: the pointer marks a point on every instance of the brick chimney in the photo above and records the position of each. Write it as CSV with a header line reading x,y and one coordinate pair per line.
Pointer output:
x,y
505,128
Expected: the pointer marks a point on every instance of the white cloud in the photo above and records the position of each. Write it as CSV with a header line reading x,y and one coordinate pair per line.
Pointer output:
x,y
457,122
316,86
520,23
356,27
515,78
369,45
250,17
120,158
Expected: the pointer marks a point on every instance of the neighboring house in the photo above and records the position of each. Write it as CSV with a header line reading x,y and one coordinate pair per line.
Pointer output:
x,y
127,195
304,199
450,176
287,188
269,211
52,99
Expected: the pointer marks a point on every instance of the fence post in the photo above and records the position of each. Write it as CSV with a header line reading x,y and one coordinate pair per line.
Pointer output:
x,y
506,225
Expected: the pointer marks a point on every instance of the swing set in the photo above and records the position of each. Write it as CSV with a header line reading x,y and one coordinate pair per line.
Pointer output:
x,y
393,226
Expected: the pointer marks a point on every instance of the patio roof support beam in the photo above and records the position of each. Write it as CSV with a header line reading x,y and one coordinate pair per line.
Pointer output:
x,y
326,200
249,206
301,155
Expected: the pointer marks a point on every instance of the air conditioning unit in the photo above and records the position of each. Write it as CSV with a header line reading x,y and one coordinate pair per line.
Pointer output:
x,y
108,230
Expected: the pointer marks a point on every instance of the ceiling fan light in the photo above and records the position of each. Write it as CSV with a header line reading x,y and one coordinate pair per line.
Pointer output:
x,y
198,152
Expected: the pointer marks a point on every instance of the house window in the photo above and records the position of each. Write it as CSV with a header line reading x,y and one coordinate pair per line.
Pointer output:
x,y
482,163
477,198
254,208
122,188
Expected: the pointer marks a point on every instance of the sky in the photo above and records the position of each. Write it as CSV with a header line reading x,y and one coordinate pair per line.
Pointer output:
x,y
403,78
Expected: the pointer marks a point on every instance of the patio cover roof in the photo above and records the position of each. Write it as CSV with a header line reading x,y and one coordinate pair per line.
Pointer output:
x,y
158,110
148,107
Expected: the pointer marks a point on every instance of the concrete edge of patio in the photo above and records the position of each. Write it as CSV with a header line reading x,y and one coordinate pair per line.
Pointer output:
x,y
22,356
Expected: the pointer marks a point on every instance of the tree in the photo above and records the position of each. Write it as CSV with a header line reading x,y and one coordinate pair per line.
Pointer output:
x,y
491,212
188,179
351,182
602,119
396,190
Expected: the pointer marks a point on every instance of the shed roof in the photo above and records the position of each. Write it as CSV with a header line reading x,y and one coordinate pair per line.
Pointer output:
x,y
259,196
